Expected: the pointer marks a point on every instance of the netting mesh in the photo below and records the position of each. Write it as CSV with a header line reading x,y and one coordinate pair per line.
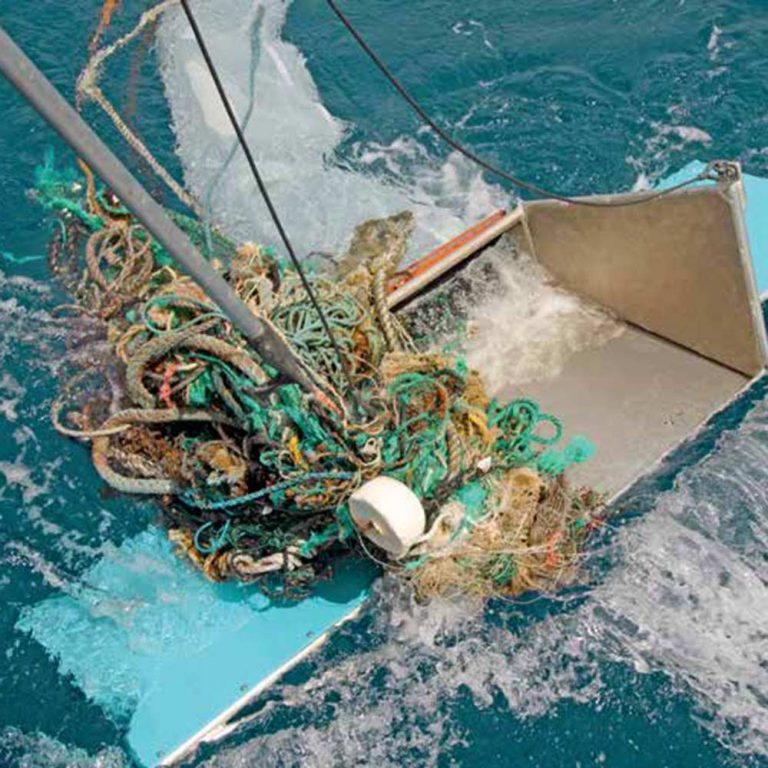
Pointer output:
x,y
252,472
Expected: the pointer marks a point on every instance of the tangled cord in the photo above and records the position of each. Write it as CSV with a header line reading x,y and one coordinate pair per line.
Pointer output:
x,y
88,88
255,478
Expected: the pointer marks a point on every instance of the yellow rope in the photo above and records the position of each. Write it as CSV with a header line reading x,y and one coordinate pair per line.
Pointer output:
x,y
90,183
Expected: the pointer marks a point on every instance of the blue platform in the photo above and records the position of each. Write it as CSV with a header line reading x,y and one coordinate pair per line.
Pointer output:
x,y
154,643
757,228
157,646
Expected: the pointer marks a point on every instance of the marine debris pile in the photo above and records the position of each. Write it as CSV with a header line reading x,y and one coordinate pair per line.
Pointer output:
x,y
254,474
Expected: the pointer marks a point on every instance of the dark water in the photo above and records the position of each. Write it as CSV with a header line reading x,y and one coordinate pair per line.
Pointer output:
x,y
664,662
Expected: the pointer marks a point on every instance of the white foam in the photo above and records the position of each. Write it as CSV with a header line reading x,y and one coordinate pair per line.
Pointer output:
x,y
713,44
527,328
690,597
38,750
520,326
468,28
664,140
428,657
18,474
206,95
688,133
294,140
34,354
11,392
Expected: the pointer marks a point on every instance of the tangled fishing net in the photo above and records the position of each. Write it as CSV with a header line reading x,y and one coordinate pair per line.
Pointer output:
x,y
253,473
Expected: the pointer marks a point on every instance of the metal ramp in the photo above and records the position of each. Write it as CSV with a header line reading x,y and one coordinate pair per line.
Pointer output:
x,y
635,398
678,272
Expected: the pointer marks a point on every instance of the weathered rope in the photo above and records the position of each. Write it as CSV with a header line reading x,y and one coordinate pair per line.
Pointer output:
x,y
88,87
100,449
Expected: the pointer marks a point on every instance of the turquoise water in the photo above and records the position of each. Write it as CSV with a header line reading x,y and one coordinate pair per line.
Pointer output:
x,y
657,665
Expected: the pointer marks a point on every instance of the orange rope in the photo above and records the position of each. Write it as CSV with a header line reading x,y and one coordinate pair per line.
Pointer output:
x,y
165,388
553,556
105,19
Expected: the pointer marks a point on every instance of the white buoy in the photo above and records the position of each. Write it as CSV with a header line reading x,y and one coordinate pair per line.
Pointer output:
x,y
388,513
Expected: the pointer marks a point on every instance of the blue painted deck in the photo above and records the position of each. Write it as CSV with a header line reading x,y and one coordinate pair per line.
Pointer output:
x,y
757,227
156,645
153,642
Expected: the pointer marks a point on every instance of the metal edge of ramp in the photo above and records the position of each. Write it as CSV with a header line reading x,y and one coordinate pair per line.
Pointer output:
x,y
756,189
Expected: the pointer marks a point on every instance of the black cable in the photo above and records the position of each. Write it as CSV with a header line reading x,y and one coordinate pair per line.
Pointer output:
x,y
514,180
263,189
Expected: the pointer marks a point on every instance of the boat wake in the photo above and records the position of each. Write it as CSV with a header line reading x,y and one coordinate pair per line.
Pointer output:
x,y
38,750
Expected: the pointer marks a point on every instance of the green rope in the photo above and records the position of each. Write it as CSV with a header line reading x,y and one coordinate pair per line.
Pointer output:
x,y
216,541
409,431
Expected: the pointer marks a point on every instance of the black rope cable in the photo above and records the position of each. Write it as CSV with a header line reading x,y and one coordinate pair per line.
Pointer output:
x,y
470,155
263,189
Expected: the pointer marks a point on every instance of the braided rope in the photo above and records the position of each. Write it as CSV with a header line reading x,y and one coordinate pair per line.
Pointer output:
x,y
88,87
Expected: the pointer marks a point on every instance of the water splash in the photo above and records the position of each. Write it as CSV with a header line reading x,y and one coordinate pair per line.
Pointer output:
x,y
665,140
528,328
510,319
38,750
294,138
690,595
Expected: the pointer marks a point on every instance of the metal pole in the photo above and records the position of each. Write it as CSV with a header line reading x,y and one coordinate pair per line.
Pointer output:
x,y
39,91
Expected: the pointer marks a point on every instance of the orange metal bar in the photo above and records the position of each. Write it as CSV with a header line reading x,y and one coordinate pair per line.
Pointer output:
x,y
438,254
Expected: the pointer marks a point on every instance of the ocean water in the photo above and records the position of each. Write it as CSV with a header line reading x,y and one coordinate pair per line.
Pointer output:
x,y
661,659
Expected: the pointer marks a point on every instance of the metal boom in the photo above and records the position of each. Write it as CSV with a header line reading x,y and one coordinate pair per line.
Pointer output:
x,y
22,73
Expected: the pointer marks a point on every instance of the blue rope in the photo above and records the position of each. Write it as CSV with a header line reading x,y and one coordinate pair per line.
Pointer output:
x,y
261,493
217,541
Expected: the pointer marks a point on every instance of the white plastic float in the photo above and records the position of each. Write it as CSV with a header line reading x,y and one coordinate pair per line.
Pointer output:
x,y
388,513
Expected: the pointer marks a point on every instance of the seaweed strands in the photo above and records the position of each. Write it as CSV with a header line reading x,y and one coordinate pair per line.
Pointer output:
x,y
253,475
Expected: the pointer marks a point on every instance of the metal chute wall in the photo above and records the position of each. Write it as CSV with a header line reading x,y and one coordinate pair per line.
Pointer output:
x,y
678,267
